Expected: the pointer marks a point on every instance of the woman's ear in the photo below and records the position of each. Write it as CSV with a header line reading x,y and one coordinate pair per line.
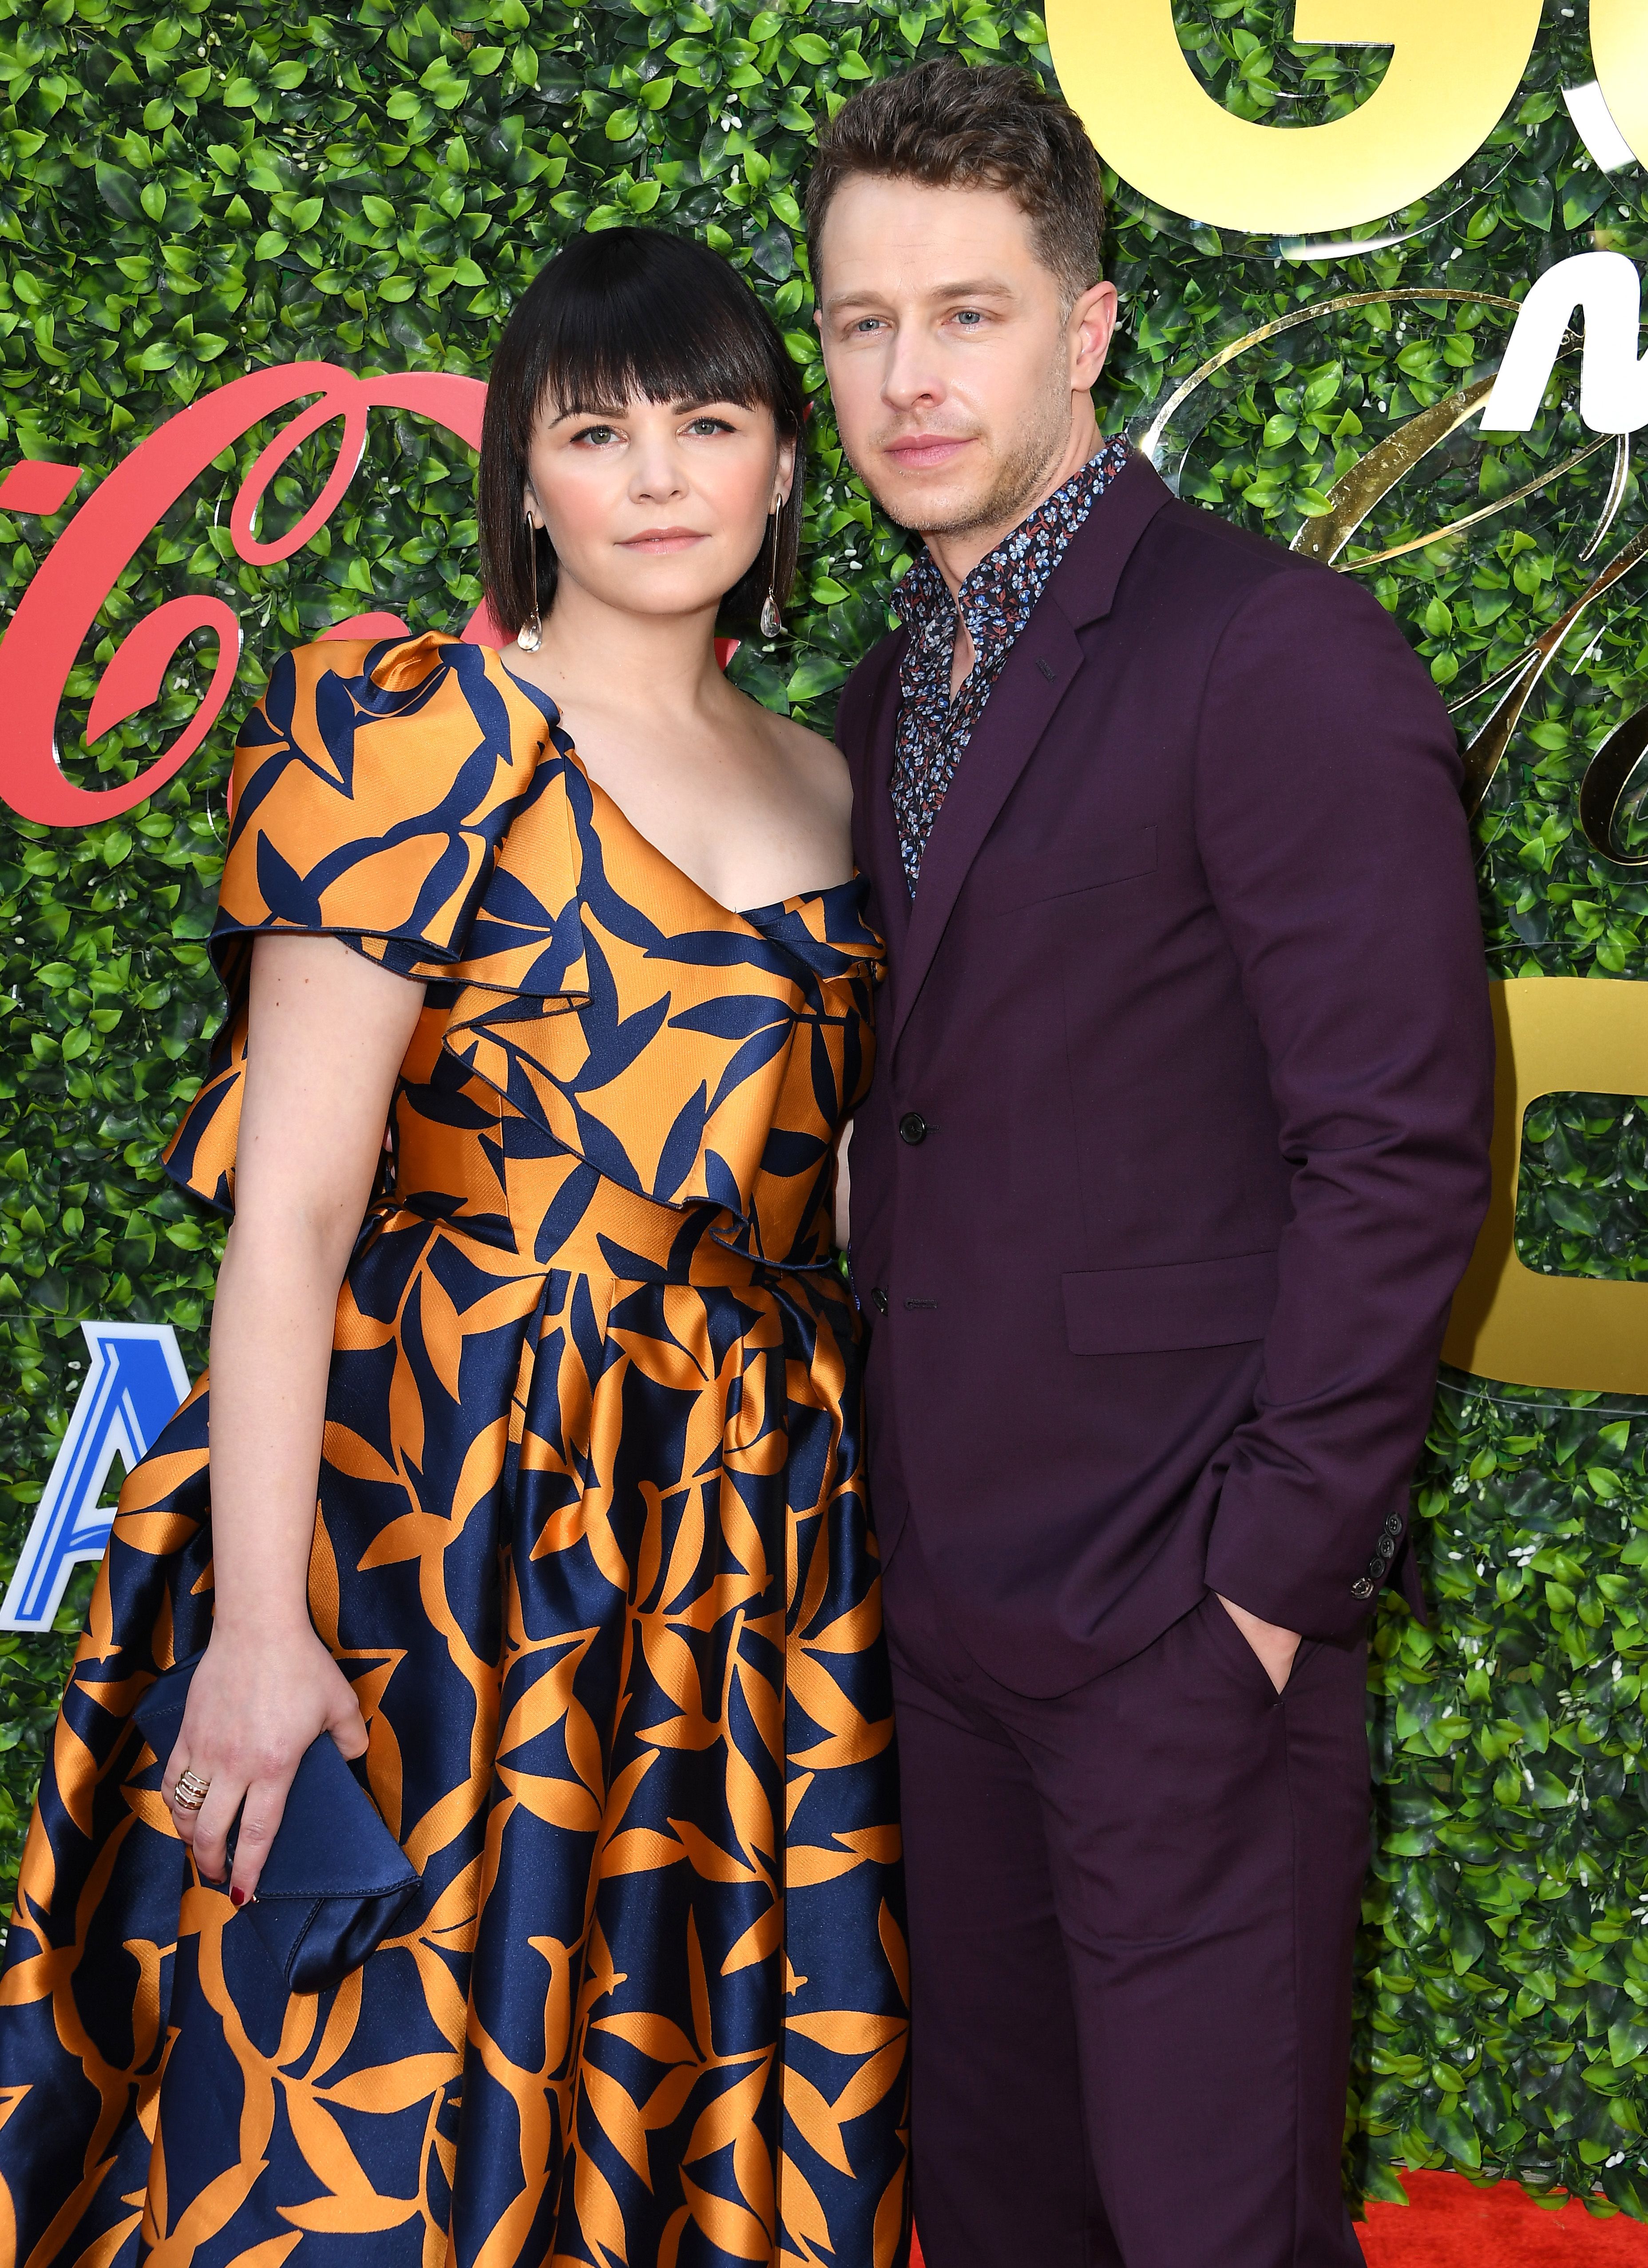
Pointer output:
x,y
530,506
785,472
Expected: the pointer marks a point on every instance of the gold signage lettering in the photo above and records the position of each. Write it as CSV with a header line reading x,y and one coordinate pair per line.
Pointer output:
x,y
1556,1036
1618,48
1455,67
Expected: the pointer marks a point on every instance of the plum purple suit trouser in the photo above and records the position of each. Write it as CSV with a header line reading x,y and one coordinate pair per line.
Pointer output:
x,y
1131,1917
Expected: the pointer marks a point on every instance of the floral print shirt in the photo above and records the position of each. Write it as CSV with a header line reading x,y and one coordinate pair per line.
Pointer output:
x,y
995,601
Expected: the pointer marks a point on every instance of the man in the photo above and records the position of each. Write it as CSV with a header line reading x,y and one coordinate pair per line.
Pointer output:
x,y
1176,1150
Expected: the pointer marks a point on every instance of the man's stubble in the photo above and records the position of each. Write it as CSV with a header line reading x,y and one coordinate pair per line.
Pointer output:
x,y
1018,477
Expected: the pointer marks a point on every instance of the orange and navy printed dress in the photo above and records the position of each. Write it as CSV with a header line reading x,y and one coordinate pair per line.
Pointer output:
x,y
592,1544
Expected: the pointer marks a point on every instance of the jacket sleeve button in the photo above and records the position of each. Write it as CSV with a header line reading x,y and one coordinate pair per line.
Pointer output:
x,y
1362,1588
912,1128
878,1300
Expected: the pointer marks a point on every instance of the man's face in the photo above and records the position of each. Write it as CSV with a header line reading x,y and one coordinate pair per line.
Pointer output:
x,y
958,375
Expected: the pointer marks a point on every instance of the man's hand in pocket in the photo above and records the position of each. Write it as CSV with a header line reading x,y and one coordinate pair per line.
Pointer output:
x,y
1275,1646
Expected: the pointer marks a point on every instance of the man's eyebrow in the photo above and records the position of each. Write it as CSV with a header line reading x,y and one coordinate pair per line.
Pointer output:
x,y
981,287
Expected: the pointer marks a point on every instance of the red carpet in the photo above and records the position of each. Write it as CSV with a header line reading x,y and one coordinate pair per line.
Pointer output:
x,y
1446,2223
1449,2224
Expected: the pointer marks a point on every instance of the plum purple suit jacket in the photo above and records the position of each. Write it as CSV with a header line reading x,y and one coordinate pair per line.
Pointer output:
x,y
1178,1142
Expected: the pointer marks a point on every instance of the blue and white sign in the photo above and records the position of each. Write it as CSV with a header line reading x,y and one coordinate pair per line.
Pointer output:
x,y
136,1383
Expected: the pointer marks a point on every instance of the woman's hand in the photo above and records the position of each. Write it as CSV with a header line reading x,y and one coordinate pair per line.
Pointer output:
x,y
254,1705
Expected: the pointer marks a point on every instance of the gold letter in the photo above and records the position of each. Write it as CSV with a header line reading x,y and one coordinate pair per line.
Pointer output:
x,y
1556,1034
1457,64
1618,48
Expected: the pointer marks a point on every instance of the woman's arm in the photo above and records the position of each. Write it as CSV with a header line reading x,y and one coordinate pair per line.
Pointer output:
x,y
328,1032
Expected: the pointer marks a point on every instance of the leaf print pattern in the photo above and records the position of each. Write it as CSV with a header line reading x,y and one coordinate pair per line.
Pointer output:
x,y
590,1543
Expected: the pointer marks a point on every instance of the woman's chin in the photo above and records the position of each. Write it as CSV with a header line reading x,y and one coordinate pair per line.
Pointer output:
x,y
665,597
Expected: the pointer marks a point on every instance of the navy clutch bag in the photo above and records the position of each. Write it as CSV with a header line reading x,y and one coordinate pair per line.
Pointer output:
x,y
335,1877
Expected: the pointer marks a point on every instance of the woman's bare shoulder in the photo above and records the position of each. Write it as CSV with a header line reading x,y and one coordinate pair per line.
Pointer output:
x,y
819,768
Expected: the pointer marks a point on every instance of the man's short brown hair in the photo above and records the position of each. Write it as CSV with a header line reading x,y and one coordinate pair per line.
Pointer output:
x,y
953,125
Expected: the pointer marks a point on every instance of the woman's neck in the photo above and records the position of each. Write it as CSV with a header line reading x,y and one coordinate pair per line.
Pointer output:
x,y
640,663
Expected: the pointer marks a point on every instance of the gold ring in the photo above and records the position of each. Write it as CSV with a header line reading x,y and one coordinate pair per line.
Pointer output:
x,y
190,1792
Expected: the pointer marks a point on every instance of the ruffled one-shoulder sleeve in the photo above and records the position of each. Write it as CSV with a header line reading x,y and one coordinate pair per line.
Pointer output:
x,y
405,796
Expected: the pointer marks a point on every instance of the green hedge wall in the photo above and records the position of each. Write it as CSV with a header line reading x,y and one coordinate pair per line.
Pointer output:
x,y
189,191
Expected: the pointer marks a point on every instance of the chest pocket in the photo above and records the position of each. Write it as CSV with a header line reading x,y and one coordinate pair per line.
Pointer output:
x,y
1006,884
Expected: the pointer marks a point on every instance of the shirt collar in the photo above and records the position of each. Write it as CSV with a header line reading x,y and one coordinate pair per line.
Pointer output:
x,y
1000,593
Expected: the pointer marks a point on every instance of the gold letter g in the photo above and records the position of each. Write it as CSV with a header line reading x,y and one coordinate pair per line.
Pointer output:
x,y
1457,64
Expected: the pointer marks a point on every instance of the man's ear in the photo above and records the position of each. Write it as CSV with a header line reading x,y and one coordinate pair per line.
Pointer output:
x,y
1090,329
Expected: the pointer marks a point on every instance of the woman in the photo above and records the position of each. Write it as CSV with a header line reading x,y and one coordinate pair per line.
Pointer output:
x,y
550,1513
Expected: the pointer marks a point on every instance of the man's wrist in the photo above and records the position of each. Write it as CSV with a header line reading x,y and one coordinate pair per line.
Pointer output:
x,y
1248,1619
1275,1645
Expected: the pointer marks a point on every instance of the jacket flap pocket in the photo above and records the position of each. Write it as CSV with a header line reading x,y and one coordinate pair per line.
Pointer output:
x,y
1001,884
1198,1303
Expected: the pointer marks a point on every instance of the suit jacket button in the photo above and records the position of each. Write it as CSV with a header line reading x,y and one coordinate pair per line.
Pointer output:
x,y
878,1300
912,1128
1362,1588
1392,1525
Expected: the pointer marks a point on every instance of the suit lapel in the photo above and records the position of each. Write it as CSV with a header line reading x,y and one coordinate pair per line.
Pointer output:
x,y
1037,673
867,729
888,859
1022,703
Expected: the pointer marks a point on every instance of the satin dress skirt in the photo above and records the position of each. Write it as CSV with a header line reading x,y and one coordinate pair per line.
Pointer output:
x,y
593,1548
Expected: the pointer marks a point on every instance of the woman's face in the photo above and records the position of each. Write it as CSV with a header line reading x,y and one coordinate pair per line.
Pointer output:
x,y
656,507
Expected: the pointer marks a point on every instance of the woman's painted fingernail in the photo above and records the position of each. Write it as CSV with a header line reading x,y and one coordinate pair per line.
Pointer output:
x,y
237,1897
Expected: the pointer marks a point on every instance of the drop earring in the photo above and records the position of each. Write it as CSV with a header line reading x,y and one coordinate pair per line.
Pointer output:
x,y
771,620
529,637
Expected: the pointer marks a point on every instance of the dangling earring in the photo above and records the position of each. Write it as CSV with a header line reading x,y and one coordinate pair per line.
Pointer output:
x,y
771,620
529,637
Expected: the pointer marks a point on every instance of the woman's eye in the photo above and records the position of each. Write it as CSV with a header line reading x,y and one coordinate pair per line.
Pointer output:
x,y
598,434
708,425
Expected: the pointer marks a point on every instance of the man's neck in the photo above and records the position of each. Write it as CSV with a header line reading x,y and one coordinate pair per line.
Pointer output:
x,y
956,554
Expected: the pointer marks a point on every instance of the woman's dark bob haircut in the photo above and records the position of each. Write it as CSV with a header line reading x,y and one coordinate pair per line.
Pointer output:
x,y
623,312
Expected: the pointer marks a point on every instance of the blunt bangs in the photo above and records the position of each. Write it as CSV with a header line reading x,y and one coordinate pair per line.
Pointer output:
x,y
622,314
